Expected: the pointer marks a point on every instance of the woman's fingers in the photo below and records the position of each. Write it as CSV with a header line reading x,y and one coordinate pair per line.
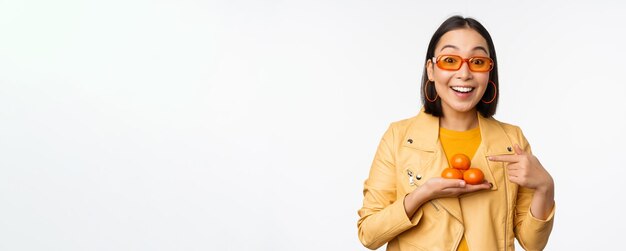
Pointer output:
x,y
515,166
519,155
467,188
504,158
518,150
441,187
452,183
481,186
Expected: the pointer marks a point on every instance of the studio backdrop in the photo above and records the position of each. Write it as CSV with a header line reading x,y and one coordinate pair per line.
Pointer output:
x,y
252,125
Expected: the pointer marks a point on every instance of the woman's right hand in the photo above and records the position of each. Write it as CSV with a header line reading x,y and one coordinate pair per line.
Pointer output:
x,y
436,188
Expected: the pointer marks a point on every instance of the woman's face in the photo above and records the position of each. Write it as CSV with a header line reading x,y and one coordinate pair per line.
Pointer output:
x,y
462,89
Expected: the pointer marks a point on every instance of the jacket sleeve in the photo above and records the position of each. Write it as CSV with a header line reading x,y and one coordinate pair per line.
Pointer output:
x,y
382,217
532,233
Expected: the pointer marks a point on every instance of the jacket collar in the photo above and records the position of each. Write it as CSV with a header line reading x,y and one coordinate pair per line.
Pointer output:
x,y
423,134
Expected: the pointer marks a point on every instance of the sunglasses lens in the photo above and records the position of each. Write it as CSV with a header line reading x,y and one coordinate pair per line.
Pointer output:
x,y
480,64
453,63
448,62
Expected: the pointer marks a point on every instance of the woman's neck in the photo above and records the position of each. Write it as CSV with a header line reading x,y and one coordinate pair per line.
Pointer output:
x,y
459,121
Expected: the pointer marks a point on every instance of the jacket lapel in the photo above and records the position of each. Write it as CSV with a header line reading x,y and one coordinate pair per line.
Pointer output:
x,y
494,142
494,137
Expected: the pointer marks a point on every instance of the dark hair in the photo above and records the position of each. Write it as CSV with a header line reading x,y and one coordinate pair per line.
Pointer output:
x,y
455,23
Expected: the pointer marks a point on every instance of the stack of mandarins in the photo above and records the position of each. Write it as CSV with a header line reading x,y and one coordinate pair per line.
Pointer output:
x,y
461,170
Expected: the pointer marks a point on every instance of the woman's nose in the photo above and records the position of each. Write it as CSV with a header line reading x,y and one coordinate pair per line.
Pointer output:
x,y
464,72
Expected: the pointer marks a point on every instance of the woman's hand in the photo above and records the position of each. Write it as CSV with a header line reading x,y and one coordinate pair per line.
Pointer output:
x,y
438,188
525,170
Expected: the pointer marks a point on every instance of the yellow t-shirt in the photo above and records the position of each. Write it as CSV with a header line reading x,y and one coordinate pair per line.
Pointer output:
x,y
465,142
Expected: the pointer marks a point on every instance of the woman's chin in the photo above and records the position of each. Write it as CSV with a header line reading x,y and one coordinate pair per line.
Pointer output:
x,y
462,108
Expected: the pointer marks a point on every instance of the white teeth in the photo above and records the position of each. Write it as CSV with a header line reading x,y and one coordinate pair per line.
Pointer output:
x,y
462,89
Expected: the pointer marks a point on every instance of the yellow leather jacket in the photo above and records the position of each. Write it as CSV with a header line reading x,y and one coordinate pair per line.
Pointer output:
x,y
408,155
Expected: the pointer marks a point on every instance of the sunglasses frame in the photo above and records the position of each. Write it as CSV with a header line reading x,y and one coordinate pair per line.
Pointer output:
x,y
463,60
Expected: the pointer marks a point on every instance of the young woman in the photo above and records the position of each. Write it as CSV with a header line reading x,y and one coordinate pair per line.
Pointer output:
x,y
408,206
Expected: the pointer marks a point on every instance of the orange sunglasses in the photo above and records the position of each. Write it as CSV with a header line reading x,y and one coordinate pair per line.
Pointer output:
x,y
454,62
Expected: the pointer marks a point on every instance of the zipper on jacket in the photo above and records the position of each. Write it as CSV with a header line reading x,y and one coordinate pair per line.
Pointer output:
x,y
506,217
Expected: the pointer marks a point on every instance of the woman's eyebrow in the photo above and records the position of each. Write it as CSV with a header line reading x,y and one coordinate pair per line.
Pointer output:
x,y
481,48
456,48
448,46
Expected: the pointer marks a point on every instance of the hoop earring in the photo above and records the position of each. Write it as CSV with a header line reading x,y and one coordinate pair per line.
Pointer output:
x,y
426,92
495,93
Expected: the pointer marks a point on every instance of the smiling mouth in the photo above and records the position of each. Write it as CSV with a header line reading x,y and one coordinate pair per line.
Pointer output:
x,y
462,89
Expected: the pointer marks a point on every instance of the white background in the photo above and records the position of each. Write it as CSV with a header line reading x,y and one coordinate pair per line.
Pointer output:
x,y
251,125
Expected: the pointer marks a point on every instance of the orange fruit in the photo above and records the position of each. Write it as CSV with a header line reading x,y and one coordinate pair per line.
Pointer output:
x,y
473,176
451,173
460,161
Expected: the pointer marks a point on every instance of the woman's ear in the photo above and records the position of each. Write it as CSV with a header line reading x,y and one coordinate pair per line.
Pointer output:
x,y
429,69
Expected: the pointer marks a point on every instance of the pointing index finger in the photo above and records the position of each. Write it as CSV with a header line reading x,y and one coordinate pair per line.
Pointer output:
x,y
503,158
